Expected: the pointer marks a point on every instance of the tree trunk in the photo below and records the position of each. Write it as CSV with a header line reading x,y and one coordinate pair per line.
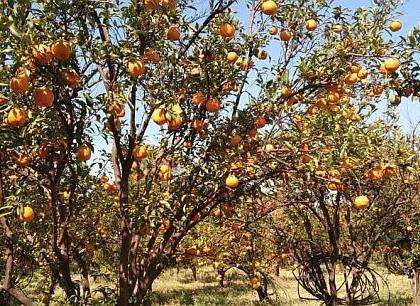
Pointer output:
x,y
262,293
333,287
415,285
124,285
194,270
221,273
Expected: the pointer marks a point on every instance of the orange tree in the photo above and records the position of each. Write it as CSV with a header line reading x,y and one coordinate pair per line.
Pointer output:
x,y
45,110
244,237
189,71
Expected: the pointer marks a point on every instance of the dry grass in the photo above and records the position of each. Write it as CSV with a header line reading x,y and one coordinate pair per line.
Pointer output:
x,y
180,289
173,288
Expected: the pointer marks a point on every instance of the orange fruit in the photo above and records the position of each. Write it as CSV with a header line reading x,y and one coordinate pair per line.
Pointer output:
x,y
232,57
199,98
350,79
151,4
173,33
382,69
27,214
273,30
337,28
17,117
286,91
362,73
361,202
311,25
355,68
20,84
260,122
199,125
269,7
61,49
235,140
252,133
104,179
392,64
139,153
175,123
285,35
395,25
232,181
213,105
227,30
90,248
152,55
83,153
136,68
159,116
395,100
390,170
70,78
23,160
43,97
42,54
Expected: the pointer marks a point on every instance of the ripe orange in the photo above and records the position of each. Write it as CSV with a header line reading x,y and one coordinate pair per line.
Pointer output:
x,y
227,30
392,64
136,68
61,49
361,202
285,35
337,28
175,123
90,248
159,116
260,122
139,153
232,57
152,55
213,105
42,54
199,98
350,79
395,25
311,25
198,124
173,33
362,74
17,117
20,84
83,153
390,170
273,30
27,214
22,159
151,4
43,97
235,140
395,100
232,181
104,179
269,7
70,78
252,132
286,91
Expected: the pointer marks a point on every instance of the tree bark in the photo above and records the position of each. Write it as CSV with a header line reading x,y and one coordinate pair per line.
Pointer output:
x,y
7,282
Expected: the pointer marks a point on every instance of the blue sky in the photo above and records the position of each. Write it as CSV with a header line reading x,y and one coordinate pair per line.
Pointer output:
x,y
409,111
